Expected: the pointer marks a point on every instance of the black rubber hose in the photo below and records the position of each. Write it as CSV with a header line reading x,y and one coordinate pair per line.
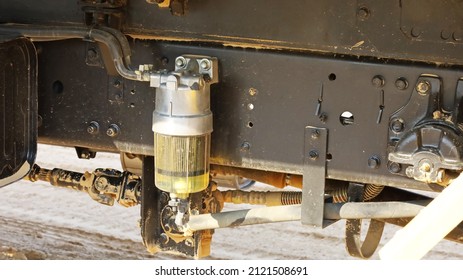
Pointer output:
x,y
119,51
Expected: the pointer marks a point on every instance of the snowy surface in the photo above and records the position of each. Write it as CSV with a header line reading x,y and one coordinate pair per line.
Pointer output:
x,y
38,221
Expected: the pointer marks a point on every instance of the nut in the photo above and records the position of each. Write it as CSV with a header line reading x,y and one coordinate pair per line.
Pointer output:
x,y
423,87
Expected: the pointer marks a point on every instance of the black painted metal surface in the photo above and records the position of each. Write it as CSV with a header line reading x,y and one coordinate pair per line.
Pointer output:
x,y
265,99
418,30
310,63
18,109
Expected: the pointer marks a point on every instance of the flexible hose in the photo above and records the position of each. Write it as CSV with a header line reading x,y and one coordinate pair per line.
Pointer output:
x,y
114,40
371,191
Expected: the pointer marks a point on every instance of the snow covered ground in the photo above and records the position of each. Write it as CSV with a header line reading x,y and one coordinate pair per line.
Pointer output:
x,y
38,221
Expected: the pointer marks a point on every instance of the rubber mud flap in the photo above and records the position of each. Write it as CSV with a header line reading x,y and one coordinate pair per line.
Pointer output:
x,y
18,109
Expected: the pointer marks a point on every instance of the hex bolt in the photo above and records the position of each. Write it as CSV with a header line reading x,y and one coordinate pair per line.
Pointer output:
x,y
315,133
205,64
374,162
252,91
378,81
113,130
401,84
313,155
93,127
423,87
180,62
437,115
397,125
394,167
245,146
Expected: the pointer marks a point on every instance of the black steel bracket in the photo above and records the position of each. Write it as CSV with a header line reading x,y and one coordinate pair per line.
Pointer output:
x,y
314,173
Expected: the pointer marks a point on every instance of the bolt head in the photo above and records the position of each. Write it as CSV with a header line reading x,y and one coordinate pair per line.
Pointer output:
x,y
180,62
205,64
363,13
112,131
315,133
245,146
394,167
93,128
401,84
397,125
378,81
313,155
252,91
423,87
374,162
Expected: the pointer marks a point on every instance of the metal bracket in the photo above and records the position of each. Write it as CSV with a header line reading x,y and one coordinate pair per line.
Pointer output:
x,y
354,246
314,173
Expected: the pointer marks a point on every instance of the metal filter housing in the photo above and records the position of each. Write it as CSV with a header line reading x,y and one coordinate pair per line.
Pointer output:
x,y
182,125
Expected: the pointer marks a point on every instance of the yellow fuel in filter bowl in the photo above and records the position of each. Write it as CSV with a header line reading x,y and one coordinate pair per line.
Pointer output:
x,y
182,163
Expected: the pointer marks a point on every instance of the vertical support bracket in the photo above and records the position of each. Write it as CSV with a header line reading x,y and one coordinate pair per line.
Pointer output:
x,y
314,173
